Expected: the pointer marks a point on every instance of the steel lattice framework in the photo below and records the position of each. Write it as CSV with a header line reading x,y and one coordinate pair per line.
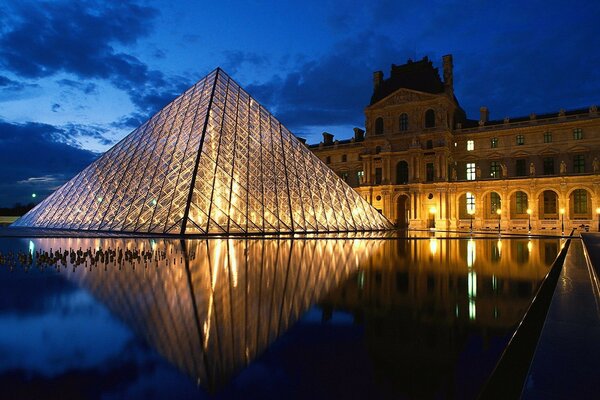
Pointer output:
x,y
213,161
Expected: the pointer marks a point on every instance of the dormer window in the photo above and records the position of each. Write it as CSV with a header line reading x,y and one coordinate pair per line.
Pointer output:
x,y
430,119
379,126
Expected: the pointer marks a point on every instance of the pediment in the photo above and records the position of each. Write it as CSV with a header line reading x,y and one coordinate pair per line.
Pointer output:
x,y
403,96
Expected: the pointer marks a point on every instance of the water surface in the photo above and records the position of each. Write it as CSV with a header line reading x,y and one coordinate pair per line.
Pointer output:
x,y
281,318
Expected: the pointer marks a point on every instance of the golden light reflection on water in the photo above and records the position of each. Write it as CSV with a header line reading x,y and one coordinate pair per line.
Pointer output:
x,y
212,306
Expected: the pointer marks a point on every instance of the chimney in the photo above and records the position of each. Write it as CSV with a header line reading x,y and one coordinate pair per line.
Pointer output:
x,y
377,79
448,74
484,115
359,134
327,138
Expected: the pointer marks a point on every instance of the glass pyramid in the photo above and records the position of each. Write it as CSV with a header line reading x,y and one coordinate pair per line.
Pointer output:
x,y
213,161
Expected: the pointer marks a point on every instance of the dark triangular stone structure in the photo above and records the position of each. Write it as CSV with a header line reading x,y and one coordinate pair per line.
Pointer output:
x,y
213,161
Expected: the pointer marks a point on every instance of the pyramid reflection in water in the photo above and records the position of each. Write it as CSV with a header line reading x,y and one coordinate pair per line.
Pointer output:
x,y
210,307
213,161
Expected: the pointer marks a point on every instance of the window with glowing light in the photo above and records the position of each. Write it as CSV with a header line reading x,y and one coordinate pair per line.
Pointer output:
x,y
495,169
494,142
520,140
470,171
470,145
470,203
577,133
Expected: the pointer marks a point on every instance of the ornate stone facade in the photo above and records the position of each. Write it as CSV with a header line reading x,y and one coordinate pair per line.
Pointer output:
x,y
423,164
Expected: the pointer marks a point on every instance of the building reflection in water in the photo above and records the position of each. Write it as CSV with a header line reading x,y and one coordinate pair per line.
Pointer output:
x,y
439,311
212,306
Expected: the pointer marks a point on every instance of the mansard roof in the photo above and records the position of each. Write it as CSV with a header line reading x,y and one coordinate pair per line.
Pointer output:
x,y
415,75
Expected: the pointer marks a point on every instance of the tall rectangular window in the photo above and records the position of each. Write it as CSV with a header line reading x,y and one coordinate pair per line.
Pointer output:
x,y
547,137
378,176
344,176
494,142
548,166
577,133
579,163
521,167
429,172
495,169
470,145
580,201
470,171
521,203
328,160
344,158
494,202
360,176
470,203
520,140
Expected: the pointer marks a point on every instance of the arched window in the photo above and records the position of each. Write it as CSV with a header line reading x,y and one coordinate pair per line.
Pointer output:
x,y
429,119
403,122
402,173
379,126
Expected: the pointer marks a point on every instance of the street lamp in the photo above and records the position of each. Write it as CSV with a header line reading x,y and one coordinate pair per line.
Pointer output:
x,y
499,212
471,212
598,212
562,220
529,215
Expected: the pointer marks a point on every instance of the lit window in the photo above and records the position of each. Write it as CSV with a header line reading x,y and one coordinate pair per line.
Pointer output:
x,y
404,122
577,133
547,137
579,163
344,176
520,140
494,142
470,145
495,169
470,171
360,175
470,203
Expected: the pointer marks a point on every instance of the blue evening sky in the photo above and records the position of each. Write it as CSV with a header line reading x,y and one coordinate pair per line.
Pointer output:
x,y
77,76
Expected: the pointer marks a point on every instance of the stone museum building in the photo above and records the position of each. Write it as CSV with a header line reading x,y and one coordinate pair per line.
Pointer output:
x,y
424,164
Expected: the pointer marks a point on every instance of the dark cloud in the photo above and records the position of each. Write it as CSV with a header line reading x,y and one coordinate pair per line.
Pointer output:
x,y
36,158
331,90
8,84
80,38
234,60
84,87
55,107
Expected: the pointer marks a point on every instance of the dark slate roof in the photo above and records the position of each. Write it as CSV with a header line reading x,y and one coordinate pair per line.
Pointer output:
x,y
415,75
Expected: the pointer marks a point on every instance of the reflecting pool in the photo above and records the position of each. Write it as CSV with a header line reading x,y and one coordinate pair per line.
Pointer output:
x,y
372,317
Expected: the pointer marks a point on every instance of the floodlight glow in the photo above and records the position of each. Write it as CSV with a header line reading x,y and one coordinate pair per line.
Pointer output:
x,y
224,165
